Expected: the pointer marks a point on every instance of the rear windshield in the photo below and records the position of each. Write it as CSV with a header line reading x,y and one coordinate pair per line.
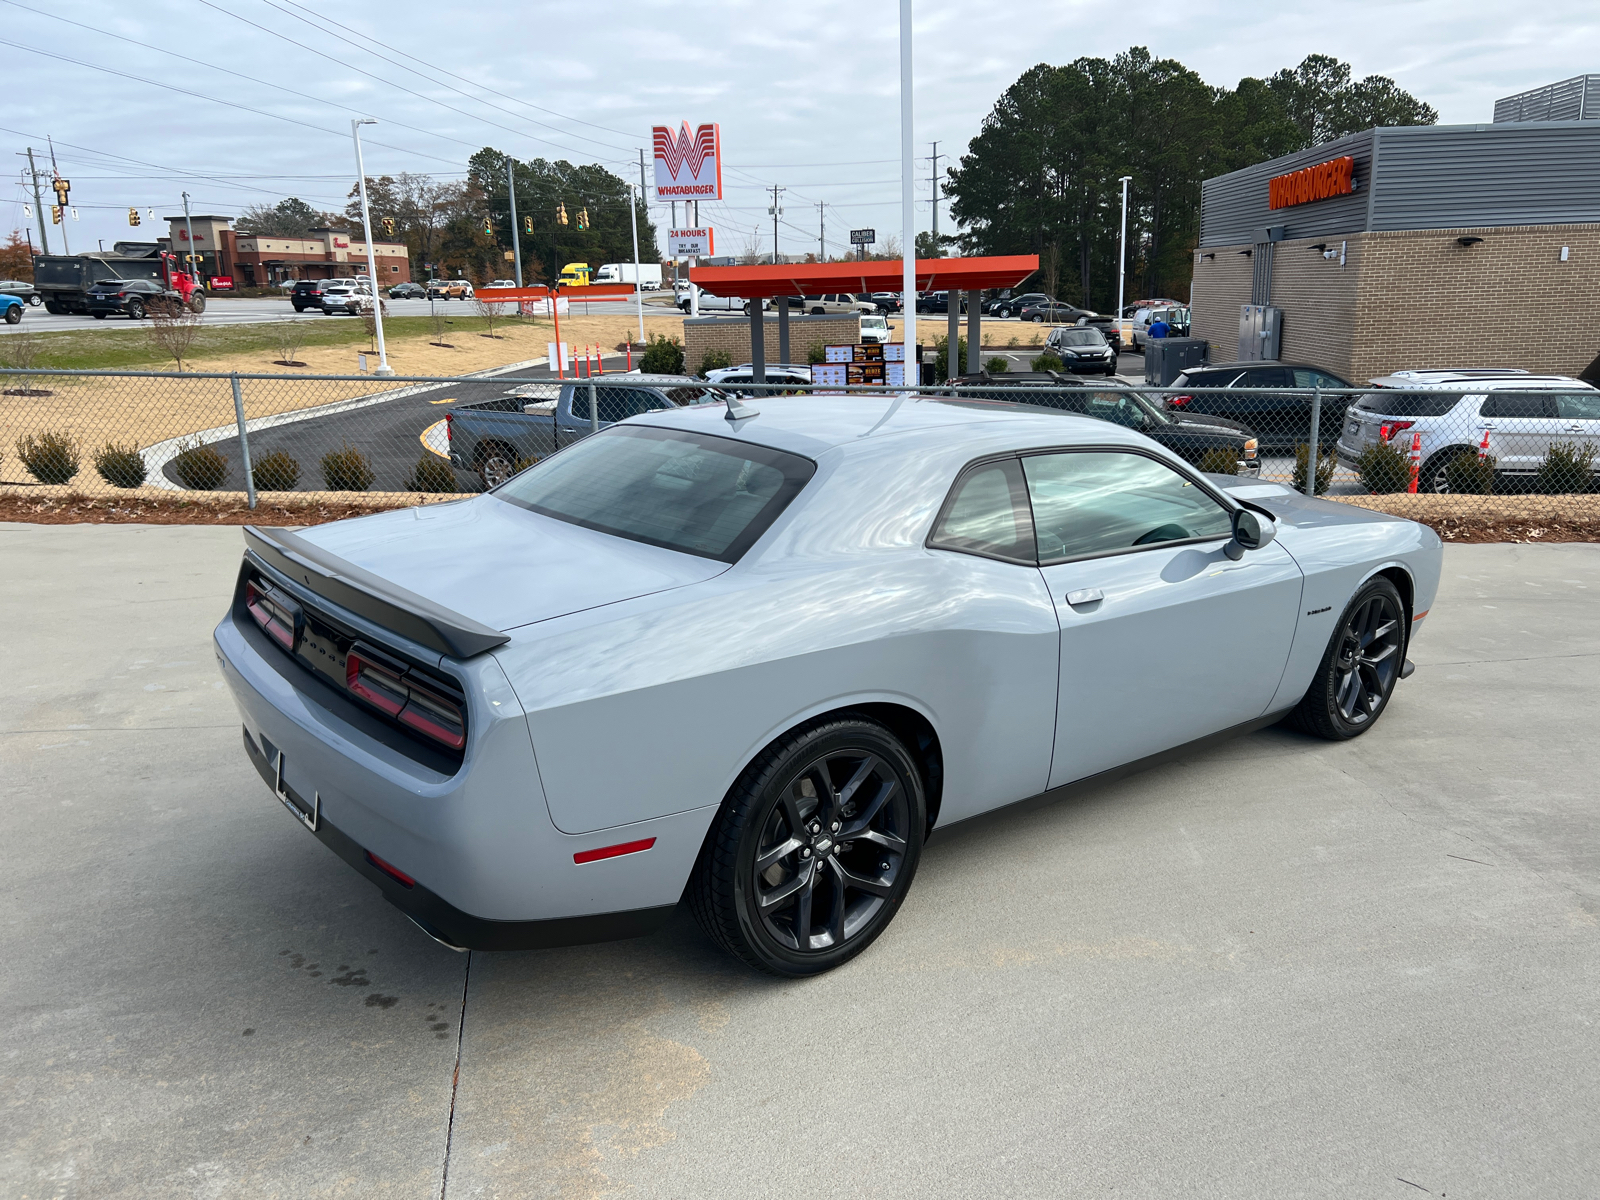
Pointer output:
x,y
1407,404
702,495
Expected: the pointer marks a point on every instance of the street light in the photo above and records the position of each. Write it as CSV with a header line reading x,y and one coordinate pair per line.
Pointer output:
x,y
908,247
372,258
1122,251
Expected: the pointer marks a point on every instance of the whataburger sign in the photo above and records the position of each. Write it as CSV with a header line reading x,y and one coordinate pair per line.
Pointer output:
x,y
688,165
1333,178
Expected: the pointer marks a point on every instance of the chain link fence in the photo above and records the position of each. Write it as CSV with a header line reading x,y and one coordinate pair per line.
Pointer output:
x,y
1490,445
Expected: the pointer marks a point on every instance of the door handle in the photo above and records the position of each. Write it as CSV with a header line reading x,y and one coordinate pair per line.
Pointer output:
x,y
1085,596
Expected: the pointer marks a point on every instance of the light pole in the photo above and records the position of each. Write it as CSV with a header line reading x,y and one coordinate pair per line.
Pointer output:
x,y
908,231
1122,251
189,229
516,244
372,259
638,279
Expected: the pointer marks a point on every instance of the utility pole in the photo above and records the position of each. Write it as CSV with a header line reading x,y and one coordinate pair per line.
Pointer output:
x,y
933,179
38,204
822,234
516,242
55,173
776,212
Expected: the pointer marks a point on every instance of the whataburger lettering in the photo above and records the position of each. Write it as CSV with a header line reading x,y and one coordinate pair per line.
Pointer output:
x,y
1333,178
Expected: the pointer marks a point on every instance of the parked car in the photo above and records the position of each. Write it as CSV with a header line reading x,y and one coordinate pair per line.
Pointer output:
x,y
1281,419
875,329
1083,350
346,296
885,302
504,283
11,307
22,290
737,379
831,304
132,298
494,439
449,289
823,631
1013,305
712,304
937,302
1175,316
1057,312
1450,412
408,291
307,293
1191,438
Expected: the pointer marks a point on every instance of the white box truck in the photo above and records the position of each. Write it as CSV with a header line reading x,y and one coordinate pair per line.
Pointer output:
x,y
649,273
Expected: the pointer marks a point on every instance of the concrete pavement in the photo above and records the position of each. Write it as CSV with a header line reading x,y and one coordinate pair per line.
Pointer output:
x,y
1281,967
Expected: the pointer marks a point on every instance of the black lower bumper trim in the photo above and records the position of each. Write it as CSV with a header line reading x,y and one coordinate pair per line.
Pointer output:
x,y
446,923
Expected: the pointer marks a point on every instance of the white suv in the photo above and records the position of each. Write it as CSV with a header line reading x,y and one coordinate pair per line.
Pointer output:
x,y
1450,412
346,296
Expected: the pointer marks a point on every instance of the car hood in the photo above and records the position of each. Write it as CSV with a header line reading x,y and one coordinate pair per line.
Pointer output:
x,y
505,566
1206,423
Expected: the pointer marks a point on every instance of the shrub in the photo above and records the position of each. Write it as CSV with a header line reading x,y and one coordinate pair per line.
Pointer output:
x,y
713,360
50,457
1012,341
200,467
1047,362
997,366
941,357
346,470
1567,467
120,466
1469,475
662,356
815,353
1219,461
1384,468
277,472
432,474
1325,464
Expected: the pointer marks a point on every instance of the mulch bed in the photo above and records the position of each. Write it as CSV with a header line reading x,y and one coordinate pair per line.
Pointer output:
x,y
181,510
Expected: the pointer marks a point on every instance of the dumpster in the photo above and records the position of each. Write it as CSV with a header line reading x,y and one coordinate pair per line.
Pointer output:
x,y
1167,358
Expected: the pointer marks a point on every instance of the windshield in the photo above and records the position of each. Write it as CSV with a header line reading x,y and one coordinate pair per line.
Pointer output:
x,y
702,495
1080,337
874,323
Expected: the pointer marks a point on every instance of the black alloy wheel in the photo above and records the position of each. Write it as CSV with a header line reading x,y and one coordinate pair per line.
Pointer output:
x,y
14,314
1358,671
814,849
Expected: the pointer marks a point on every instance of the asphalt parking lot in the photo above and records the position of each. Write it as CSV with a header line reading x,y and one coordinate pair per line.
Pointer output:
x,y
1278,968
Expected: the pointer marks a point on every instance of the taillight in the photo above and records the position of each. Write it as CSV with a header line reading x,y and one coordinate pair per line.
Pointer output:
x,y
1178,401
394,691
450,427
1390,428
278,616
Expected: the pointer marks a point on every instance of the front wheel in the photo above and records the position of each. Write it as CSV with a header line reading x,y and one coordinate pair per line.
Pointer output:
x,y
14,314
814,849
197,303
1358,671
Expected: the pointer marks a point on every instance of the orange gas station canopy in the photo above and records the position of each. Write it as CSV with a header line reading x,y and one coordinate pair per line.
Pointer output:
x,y
814,279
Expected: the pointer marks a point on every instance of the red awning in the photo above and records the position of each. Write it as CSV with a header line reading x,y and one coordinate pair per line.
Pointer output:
x,y
815,279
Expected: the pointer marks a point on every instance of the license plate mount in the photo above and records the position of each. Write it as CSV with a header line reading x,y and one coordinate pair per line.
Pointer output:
x,y
293,802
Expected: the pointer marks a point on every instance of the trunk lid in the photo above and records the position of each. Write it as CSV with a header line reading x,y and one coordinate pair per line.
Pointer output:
x,y
505,566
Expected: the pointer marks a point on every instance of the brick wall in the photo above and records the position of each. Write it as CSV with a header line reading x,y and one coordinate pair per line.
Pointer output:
x,y
1319,299
1508,301
732,334
1221,285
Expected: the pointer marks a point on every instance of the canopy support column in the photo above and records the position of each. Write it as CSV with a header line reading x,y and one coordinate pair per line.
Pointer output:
x,y
974,330
758,343
783,330
952,353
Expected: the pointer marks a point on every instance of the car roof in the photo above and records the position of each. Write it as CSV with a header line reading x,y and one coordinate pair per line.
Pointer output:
x,y
1487,377
1259,362
817,424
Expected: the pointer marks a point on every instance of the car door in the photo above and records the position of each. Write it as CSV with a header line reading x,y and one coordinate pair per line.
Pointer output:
x,y
1520,425
1164,638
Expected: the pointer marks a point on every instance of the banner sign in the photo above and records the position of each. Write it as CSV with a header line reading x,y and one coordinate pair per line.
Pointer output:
x,y
1321,182
863,237
691,243
688,165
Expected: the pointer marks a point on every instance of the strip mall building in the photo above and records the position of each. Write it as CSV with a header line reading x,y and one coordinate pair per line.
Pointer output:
x,y
1431,246
262,261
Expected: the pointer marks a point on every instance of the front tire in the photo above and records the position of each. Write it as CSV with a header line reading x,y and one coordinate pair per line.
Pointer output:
x,y
814,849
1358,671
14,314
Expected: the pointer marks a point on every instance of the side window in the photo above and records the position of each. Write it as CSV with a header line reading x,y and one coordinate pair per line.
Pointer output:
x,y
1116,408
1266,377
1515,404
987,513
615,402
1089,503
1579,406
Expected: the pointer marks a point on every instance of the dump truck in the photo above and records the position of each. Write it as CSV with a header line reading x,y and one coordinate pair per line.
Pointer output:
x,y
64,280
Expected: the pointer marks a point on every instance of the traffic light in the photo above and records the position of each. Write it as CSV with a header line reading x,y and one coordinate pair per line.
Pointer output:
x,y
55,214
488,225
583,218
527,224
133,216
561,213
388,226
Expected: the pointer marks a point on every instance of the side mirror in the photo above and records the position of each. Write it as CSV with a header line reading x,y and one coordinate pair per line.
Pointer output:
x,y
1251,531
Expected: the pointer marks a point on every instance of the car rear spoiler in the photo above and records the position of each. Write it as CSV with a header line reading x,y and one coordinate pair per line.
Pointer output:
x,y
380,601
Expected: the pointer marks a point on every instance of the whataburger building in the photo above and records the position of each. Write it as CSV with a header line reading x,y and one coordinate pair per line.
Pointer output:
x,y
1428,246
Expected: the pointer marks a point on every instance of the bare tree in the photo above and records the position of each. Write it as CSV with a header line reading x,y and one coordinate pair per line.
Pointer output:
x,y
369,319
291,336
752,248
491,311
20,351
1050,264
173,331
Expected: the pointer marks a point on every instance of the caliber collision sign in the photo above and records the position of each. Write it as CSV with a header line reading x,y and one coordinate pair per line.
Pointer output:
x,y
688,164
691,243
863,237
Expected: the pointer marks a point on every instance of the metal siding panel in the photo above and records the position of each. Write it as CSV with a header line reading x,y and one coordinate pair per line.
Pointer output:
x,y
1565,100
1233,207
1449,177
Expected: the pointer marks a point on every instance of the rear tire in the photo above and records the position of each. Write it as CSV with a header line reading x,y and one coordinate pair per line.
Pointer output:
x,y
1432,476
1360,667
36,299
135,310
496,464
814,849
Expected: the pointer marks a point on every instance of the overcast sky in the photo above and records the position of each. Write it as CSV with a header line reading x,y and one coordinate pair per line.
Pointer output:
x,y
807,94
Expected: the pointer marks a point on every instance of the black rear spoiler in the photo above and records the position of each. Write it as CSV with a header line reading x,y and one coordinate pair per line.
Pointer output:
x,y
370,596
